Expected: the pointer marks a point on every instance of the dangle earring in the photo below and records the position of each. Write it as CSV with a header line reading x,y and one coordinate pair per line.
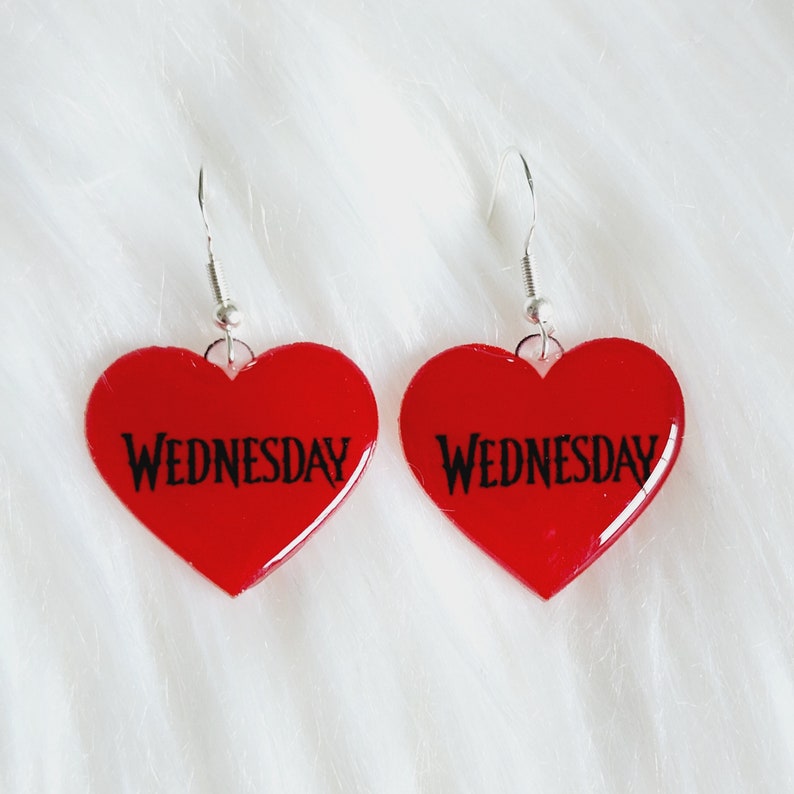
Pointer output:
x,y
543,458
231,459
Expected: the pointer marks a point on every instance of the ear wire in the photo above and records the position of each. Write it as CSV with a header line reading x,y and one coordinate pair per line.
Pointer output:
x,y
225,314
536,308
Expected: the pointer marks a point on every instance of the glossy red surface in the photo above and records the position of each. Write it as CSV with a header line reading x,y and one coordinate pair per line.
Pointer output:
x,y
236,473
544,473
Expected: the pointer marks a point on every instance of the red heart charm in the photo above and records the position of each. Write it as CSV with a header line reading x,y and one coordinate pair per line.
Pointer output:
x,y
543,473
233,475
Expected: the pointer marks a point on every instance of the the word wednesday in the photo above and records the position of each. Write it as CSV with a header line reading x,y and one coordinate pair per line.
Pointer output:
x,y
241,461
557,460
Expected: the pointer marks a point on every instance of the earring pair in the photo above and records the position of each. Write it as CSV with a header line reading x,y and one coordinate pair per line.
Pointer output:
x,y
542,458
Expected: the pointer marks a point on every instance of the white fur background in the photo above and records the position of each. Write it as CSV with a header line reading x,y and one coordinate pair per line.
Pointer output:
x,y
351,149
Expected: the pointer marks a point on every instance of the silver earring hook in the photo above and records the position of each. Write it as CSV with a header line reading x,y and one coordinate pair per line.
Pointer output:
x,y
225,315
536,309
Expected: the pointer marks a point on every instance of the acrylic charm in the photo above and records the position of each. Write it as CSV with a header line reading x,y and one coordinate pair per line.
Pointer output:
x,y
543,458
231,459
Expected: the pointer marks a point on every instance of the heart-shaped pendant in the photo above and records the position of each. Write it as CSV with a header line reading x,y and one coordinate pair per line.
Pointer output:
x,y
232,474
543,472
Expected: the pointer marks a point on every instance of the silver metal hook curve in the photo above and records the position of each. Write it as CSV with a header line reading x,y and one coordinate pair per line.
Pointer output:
x,y
225,315
528,174
536,308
